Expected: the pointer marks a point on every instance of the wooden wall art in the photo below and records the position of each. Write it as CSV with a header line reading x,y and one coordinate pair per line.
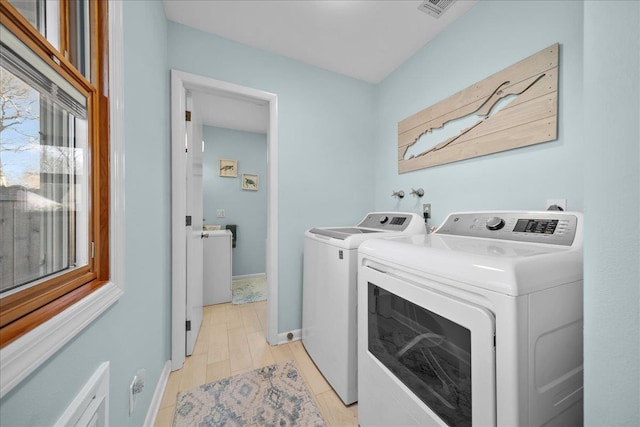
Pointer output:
x,y
513,108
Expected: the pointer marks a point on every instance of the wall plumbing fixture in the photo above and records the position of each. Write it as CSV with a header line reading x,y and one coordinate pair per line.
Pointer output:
x,y
398,194
418,193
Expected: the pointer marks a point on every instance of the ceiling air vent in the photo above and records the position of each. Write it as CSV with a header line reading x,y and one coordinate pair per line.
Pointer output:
x,y
435,8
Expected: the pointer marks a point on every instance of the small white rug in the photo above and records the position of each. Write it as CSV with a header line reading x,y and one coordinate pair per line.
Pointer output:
x,y
250,289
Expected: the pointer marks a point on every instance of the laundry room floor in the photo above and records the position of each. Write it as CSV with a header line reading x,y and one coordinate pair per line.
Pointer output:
x,y
232,341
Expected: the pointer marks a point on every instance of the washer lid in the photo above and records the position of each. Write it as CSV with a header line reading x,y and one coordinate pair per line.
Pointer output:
x,y
342,233
511,268
375,225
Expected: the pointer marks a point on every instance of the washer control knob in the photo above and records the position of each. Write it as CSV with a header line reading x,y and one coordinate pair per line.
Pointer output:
x,y
495,223
384,219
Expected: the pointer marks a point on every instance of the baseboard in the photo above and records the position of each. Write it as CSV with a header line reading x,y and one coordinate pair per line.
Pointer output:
x,y
156,401
283,337
248,276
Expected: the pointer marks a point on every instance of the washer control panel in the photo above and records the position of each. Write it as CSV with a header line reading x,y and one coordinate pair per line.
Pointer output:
x,y
390,221
557,228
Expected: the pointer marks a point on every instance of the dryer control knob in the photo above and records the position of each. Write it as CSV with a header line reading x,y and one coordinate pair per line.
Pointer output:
x,y
384,219
495,223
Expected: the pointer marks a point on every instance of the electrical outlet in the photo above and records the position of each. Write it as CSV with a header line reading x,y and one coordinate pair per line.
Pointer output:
x,y
220,213
137,384
426,210
560,203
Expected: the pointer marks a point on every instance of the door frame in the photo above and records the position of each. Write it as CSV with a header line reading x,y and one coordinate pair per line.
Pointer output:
x,y
181,82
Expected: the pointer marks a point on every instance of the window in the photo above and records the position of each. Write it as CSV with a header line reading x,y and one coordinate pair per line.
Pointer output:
x,y
54,159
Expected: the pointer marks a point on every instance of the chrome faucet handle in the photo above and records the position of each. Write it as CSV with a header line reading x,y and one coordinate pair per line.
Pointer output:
x,y
419,192
398,194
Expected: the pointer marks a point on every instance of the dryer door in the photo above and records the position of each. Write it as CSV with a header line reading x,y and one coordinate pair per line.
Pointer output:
x,y
441,348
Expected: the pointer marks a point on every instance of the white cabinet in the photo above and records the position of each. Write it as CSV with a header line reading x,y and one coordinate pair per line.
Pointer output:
x,y
217,267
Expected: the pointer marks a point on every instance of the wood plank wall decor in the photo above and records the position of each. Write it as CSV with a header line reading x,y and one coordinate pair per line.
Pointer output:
x,y
513,108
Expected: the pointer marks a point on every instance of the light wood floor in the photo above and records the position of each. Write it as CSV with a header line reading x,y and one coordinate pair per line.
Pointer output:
x,y
232,341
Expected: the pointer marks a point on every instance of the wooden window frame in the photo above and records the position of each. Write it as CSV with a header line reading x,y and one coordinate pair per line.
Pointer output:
x,y
23,311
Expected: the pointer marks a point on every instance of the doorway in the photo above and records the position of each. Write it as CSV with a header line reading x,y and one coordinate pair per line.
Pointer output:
x,y
234,172
181,84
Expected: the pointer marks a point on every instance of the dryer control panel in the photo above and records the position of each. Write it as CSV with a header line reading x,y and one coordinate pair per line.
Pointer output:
x,y
557,228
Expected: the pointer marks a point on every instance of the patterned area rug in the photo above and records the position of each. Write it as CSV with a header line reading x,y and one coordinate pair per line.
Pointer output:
x,y
272,396
251,289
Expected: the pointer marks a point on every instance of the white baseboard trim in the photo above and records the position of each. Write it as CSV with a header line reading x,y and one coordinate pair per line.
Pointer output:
x,y
248,276
297,335
154,407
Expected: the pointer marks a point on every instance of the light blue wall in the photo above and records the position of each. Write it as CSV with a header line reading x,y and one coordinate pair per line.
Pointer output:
x,y
612,203
594,163
490,37
247,209
325,143
134,333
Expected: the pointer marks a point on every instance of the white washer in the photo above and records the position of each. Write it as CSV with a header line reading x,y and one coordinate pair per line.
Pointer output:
x,y
329,293
479,323
217,255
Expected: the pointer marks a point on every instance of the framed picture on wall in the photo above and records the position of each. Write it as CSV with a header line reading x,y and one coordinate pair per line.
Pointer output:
x,y
228,168
249,182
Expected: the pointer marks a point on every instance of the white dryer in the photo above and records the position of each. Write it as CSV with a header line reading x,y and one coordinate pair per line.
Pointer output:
x,y
329,293
479,323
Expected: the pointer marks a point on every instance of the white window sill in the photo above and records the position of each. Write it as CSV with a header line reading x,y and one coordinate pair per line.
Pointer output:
x,y
23,356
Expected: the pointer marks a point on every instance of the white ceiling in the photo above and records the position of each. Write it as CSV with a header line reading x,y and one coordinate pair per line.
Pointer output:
x,y
231,112
365,39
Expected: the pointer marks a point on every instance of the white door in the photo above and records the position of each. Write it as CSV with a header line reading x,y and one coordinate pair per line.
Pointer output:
x,y
193,192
